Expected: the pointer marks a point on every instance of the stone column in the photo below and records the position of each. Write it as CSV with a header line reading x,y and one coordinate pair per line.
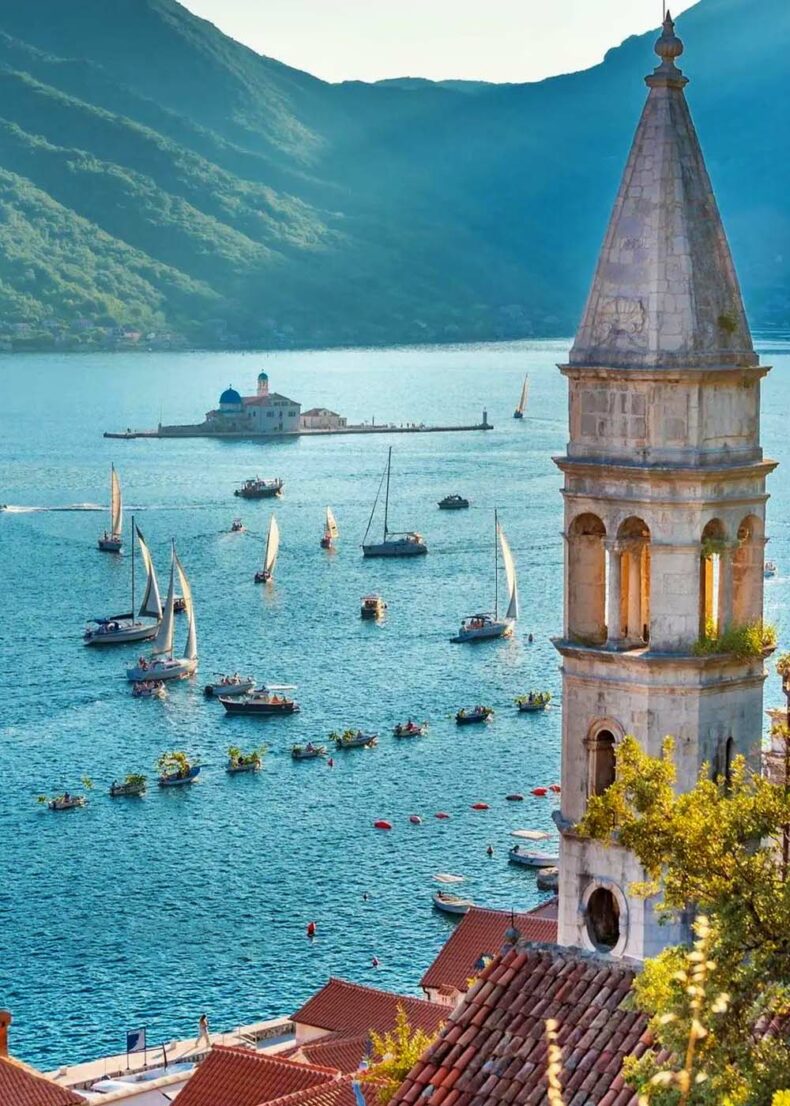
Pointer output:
x,y
724,612
613,598
634,614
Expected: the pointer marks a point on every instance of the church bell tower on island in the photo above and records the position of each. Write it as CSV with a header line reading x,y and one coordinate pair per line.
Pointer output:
x,y
665,498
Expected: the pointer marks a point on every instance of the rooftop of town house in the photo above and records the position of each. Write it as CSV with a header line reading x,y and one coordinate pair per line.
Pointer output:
x,y
353,1009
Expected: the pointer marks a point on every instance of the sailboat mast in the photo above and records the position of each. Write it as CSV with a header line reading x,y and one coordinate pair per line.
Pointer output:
x,y
387,493
496,569
133,547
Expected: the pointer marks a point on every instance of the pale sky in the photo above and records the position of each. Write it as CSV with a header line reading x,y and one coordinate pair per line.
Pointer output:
x,y
494,40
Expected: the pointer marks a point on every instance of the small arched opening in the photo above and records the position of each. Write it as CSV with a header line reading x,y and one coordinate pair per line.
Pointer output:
x,y
586,615
633,545
747,572
602,919
601,762
729,754
713,567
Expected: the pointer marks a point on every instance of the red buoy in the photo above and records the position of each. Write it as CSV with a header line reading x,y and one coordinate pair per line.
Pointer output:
x,y
555,787
480,806
515,798
540,791
441,814
311,929
415,819
382,824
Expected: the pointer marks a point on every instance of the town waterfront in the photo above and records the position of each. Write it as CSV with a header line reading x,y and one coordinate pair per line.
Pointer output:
x,y
148,912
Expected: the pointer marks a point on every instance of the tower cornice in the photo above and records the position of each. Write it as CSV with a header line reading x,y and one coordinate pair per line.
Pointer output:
x,y
666,373
640,470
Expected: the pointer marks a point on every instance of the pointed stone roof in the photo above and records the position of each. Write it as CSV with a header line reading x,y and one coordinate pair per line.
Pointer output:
x,y
665,293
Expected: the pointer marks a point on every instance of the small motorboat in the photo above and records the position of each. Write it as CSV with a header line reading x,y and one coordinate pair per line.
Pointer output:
x,y
239,761
373,606
111,540
180,777
133,786
66,802
453,503
355,739
469,716
410,729
149,689
263,701
229,685
179,604
769,569
308,751
256,488
530,858
237,526
449,903
535,701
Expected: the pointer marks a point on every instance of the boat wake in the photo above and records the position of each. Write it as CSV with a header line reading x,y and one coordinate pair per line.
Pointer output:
x,y
16,509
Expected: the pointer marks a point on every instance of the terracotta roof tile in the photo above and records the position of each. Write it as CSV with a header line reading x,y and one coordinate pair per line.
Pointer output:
x,y
482,933
333,1051
499,1056
339,1092
232,1076
355,1009
21,1086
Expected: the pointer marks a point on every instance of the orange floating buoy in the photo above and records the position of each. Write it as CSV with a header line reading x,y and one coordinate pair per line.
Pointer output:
x,y
480,806
311,929
415,819
540,791
515,798
382,824
555,787
441,814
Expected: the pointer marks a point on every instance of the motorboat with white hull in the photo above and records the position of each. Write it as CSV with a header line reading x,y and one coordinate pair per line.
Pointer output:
x,y
269,553
229,685
448,903
120,629
407,543
111,540
162,665
488,626
530,858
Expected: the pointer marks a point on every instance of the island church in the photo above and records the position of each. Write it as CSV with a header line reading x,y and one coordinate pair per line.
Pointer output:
x,y
264,413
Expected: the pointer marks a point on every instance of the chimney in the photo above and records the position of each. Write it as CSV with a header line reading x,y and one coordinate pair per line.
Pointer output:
x,y
5,1021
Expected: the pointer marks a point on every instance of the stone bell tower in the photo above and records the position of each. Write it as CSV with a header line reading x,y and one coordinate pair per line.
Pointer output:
x,y
664,509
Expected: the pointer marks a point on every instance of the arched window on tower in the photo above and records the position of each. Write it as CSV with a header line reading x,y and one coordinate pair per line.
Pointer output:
x,y
601,761
586,597
602,918
633,544
714,580
747,572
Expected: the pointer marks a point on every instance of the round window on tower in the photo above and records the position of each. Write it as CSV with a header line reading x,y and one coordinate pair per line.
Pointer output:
x,y
602,917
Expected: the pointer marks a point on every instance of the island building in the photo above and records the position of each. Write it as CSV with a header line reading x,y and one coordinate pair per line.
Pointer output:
x,y
264,413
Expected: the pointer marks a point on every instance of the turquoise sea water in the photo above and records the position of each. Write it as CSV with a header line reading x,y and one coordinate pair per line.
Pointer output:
x,y
148,912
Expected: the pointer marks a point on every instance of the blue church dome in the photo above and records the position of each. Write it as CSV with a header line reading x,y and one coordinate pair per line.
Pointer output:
x,y
230,398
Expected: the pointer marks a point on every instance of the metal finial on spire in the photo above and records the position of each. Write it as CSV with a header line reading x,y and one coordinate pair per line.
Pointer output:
x,y
669,46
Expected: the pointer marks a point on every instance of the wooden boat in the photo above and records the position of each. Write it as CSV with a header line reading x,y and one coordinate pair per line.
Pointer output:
x,y
488,627
331,532
255,488
373,606
410,729
355,740
308,751
451,904
535,701
243,762
66,802
162,665
270,552
229,685
111,540
149,689
133,786
529,858
466,717
120,629
521,406
769,570
181,777
262,701
394,543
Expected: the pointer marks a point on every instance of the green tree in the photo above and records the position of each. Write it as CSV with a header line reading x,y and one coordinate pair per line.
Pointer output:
x,y
398,1051
716,849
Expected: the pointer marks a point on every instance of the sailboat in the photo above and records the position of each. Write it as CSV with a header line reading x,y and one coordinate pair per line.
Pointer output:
x,y
270,554
522,402
162,665
394,543
331,531
111,542
484,627
118,629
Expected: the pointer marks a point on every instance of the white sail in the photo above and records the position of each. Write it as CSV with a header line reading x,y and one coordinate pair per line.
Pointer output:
x,y
152,603
510,576
522,403
191,648
116,504
163,642
331,524
272,546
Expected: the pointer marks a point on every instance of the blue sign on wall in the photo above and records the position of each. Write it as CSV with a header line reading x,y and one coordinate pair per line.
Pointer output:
x,y
135,1040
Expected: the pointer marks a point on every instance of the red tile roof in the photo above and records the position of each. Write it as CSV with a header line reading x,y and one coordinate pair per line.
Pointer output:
x,y
493,1050
21,1086
547,909
481,933
339,1093
354,1010
333,1051
232,1076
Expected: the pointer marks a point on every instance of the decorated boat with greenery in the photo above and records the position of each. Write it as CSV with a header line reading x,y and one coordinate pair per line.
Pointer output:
x,y
410,729
175,769
534,701
310,751
239,761
354,739
468,716
133,786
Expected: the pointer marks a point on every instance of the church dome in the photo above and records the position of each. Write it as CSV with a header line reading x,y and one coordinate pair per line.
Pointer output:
x,y
263,376
230,398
